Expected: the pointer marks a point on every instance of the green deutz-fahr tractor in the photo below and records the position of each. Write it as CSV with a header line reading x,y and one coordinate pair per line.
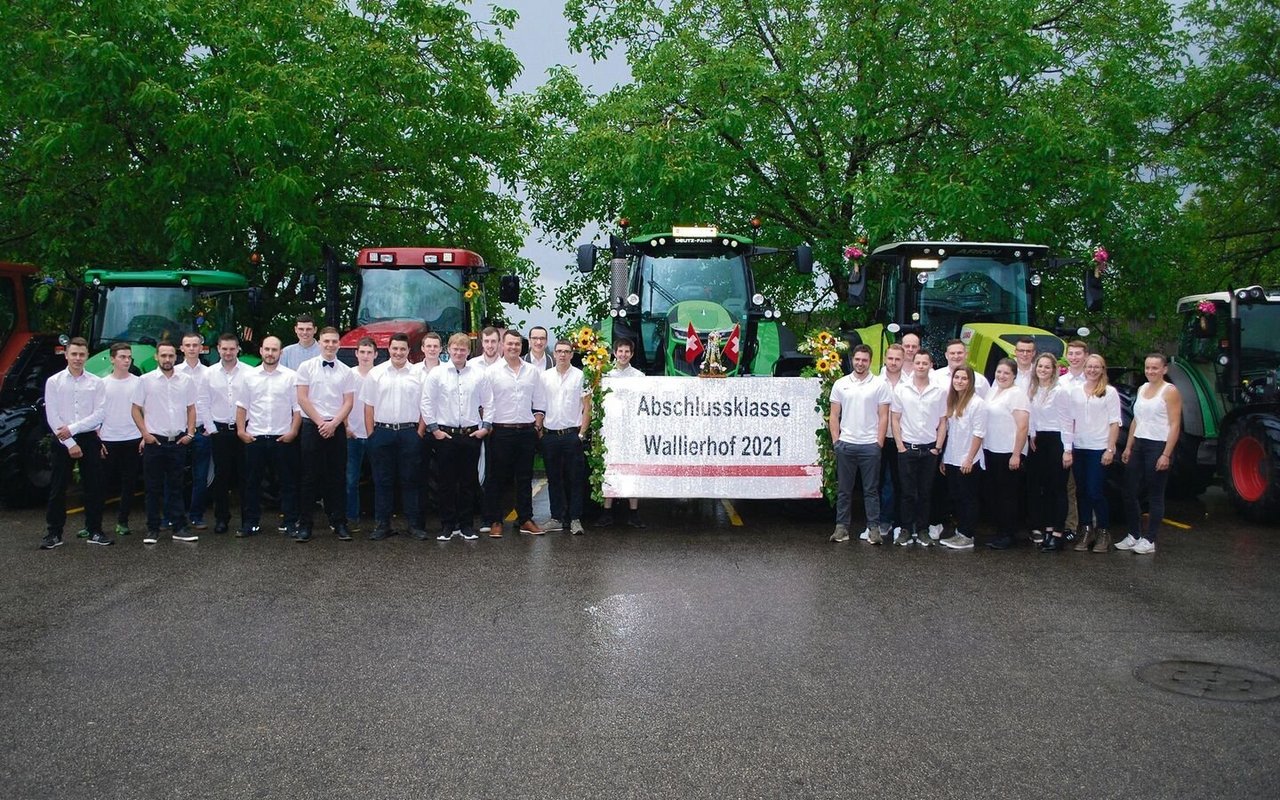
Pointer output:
x,y
147,307
1226,370
982,293
662,283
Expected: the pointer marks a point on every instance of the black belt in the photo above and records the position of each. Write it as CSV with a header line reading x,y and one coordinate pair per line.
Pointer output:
x,y
395,426
928,446
267,437
225,427
561,432
162,439
458,431
510,426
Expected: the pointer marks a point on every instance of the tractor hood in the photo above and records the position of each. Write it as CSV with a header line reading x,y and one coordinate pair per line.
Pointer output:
x,y
381,333
705,315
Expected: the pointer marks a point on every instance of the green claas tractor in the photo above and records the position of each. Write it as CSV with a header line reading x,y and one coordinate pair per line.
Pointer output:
x,y
1226,370
661,284
983,293
147,307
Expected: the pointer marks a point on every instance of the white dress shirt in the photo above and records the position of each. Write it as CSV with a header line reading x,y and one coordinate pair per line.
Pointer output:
x,y
269,400
960,433
395,394
196,372
1051,412
919,411
221,387
327,386
117,420
355,420
860,402
164,402
564,393
1091,418
78,403
454,397
517,393
483,362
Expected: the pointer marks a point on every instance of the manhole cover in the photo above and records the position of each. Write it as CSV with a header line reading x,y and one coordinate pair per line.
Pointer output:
x,y
1210,681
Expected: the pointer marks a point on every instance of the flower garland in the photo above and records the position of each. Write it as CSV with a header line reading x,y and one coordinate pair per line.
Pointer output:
x,y
1101,259
854,253
827,350
1207,308
474,296
596,363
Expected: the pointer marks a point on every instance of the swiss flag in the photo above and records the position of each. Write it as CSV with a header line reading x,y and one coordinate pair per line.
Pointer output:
x,y
731,345
692,345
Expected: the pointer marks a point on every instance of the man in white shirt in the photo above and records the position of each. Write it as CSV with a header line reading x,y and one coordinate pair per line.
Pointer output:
x,y
1024,353
490,344
200,453
910,342
268,419
74,402
538,355
957,353
894,357
306,347
432,347
564,429
453,395
164,409
221,387
623,351
392,402
326,395
518,406
858,423
921,405
121,442
1072,380
357,434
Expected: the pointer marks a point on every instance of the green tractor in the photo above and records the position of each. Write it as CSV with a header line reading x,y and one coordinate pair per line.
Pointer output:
x,y
1227,372
662,284
148,307
982,293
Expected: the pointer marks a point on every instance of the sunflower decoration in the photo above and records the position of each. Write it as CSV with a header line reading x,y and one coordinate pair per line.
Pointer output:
x,y
473,294
597,360
826,349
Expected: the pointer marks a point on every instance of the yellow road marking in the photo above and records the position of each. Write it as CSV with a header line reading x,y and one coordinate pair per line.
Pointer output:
x,y
1184,526
734,519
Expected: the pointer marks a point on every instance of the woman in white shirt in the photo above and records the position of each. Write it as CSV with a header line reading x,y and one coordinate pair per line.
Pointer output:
x,y
1005,445
1050,424
1157,423
965,426
1095,424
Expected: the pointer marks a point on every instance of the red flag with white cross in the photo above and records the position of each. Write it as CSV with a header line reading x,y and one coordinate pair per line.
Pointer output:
x,y
692,345
732,344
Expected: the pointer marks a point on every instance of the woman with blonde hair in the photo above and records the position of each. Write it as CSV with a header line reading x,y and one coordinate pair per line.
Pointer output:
x,y
1050,416
965,426
1095,425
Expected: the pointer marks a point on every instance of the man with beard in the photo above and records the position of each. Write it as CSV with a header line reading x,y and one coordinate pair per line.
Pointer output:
x,y
164,409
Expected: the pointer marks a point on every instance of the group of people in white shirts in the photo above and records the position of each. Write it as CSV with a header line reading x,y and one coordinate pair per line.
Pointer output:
x,y
1036,444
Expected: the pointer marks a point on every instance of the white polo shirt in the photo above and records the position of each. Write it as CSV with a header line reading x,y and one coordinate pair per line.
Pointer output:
x,y
1002,425
395,394
942,377
919,411
117,419
860,402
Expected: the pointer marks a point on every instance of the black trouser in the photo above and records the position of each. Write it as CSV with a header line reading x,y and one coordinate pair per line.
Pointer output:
x,y
509,463
457,459
428,486
397,458
963,490
228,467
120,469
163,464
916,471
90,464
1141,470
1004,487
324,474
1047,479
282,458
566,466
890,487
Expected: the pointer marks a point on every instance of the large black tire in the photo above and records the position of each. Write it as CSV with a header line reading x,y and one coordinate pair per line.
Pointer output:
x,y
1251,466
1188,477
29,468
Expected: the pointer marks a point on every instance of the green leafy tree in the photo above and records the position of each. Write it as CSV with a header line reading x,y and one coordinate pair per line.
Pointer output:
x,y
976,119
195,132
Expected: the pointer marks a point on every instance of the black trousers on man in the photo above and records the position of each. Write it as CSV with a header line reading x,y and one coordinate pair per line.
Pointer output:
x,y
263,453
457,459
163,464
566,468
917,469
324,475
90,483
510,463
120,473
228,467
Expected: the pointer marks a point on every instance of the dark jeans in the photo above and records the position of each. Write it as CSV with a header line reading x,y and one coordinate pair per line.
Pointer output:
x,y
263,453
1091,484
890,486
1141,472
397,461
1047,479
162,467
200,455
324,474
457,459
853,460
228,467
916,470
356,449
1005,487
121,474
509,464
566,470
963,490
90,483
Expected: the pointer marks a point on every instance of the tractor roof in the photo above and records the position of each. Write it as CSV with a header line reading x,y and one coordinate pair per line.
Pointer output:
x,y
1189,303
200,278
705,236
969,249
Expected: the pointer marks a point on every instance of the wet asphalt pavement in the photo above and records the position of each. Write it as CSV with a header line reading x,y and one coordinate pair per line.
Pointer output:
x,y
696,658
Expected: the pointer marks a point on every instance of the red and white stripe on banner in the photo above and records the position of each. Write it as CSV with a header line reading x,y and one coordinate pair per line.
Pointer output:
x,y
729,438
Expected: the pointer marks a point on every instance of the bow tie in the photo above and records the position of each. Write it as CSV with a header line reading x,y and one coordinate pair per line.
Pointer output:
x,y
328,364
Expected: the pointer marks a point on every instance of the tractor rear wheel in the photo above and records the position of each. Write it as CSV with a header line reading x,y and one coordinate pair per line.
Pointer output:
x,y
1251,471
31,466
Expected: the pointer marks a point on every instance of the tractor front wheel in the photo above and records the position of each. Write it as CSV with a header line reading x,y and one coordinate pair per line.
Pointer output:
x,y
1251,471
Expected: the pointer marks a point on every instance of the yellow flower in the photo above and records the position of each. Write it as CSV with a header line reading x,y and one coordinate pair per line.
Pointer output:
x,y
826,339
824,365
469,294
473,286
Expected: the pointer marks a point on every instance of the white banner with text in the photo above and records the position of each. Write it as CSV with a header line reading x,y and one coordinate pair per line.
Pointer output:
x,y
733,438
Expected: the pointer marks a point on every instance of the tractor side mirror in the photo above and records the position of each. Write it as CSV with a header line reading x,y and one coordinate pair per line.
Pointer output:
x,y
307,287
856,294
1092,292
804,259
587,258
254,296
509,289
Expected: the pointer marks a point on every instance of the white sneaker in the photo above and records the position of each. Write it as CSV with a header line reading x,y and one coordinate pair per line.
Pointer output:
x,y
865,535
935,532
957,541
1144,547
575,527
1126,543
484,528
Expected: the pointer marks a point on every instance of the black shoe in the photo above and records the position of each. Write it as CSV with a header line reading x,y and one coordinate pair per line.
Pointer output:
x,y
420,534
221,526
101,539
303,535
469,534
343,532
1001,543
50,541
381,532
245,532
605,520
634,522
444,535
1052,544
1068,535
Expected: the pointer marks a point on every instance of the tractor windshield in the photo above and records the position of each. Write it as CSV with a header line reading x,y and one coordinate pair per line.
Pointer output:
x,y
135,313
1259,337
434,297
666,280
963,290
